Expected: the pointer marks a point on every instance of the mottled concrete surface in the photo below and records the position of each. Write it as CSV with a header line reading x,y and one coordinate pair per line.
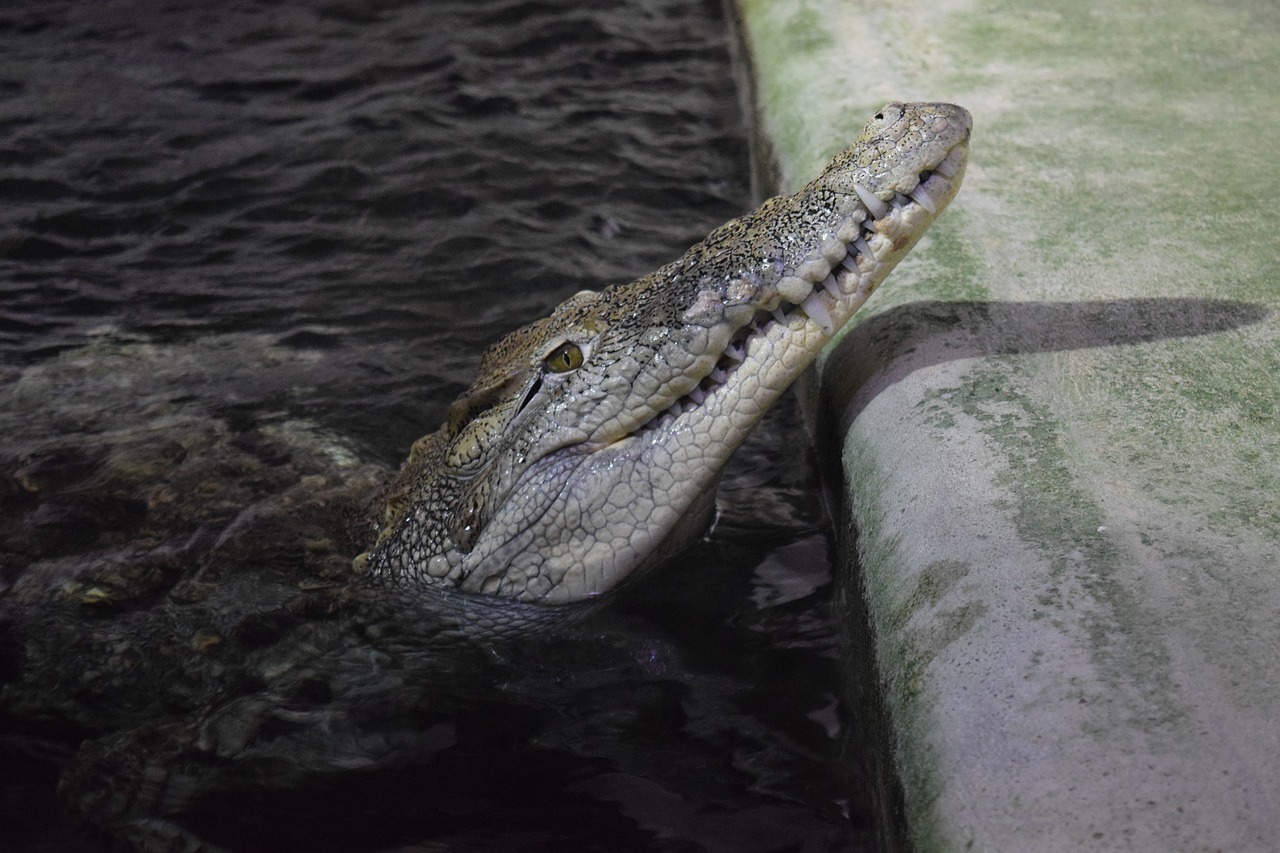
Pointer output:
x,y
1059,422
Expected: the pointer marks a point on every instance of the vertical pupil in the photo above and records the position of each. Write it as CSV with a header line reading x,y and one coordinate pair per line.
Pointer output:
x,y
564,358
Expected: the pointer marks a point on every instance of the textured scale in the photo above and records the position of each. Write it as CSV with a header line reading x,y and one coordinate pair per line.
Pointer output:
x,y
550,485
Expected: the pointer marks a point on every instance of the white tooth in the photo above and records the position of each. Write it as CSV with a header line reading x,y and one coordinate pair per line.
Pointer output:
x,y
849,263
794,289
875,206
718,376
921,195
779,316
864,247
832,286
818,312
697,395
814,271
735,353
833,250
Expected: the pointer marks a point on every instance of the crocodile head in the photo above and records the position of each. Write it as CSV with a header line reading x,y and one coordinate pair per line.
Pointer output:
x,y
590,445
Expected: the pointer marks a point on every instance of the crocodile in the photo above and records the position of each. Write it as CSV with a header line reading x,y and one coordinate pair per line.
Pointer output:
x,y
585,454
589,447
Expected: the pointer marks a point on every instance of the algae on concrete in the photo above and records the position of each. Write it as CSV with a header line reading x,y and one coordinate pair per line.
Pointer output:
x,y
1058,420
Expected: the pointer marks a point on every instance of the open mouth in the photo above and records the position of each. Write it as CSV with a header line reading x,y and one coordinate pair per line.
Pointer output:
x,y
838,278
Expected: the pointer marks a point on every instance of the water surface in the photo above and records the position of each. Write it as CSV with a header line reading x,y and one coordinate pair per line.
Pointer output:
x,y
229,230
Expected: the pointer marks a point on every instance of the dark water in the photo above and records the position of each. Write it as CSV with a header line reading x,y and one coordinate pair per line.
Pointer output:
x,y
230,225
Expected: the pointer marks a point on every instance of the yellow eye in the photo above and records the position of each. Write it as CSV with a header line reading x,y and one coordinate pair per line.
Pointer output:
x,y
564,358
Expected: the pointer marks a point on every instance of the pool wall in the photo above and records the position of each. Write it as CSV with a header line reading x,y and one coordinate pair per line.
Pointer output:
x,y
1055,433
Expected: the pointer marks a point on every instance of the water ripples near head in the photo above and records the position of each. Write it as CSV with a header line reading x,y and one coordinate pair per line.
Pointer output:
x,y
240,235
391,172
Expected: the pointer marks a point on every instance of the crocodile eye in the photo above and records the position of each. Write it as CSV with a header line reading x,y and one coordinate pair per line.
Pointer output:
x,y
564,358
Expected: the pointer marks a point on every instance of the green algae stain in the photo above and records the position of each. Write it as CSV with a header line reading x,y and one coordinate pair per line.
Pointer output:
x,y
1203,436
1117,138
936,579
791,50
1054,511
1051,509
898,660
804,30
918,645
1130,145
906,649
946,267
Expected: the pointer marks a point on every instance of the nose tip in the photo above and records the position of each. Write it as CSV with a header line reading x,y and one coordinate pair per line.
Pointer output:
x,y
958,115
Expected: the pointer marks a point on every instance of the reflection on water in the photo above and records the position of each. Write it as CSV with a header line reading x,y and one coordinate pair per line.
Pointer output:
x,y
246,250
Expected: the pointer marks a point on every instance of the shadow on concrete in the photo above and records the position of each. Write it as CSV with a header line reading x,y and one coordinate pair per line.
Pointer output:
x,y
885,349
889,346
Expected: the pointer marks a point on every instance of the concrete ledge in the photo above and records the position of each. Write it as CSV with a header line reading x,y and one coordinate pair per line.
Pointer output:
x,y
1058,425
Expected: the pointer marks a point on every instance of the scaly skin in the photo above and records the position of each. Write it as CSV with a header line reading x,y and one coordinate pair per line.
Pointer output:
x,y
590,444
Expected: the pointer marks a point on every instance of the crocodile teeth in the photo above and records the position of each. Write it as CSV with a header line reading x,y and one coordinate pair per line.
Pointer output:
x,y
817,312
803,286
814,270
876,207
849,231
832,250
794,289
921,195
947,168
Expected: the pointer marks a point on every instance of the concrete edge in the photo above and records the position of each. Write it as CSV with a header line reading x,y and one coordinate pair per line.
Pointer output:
x,y
1057,502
